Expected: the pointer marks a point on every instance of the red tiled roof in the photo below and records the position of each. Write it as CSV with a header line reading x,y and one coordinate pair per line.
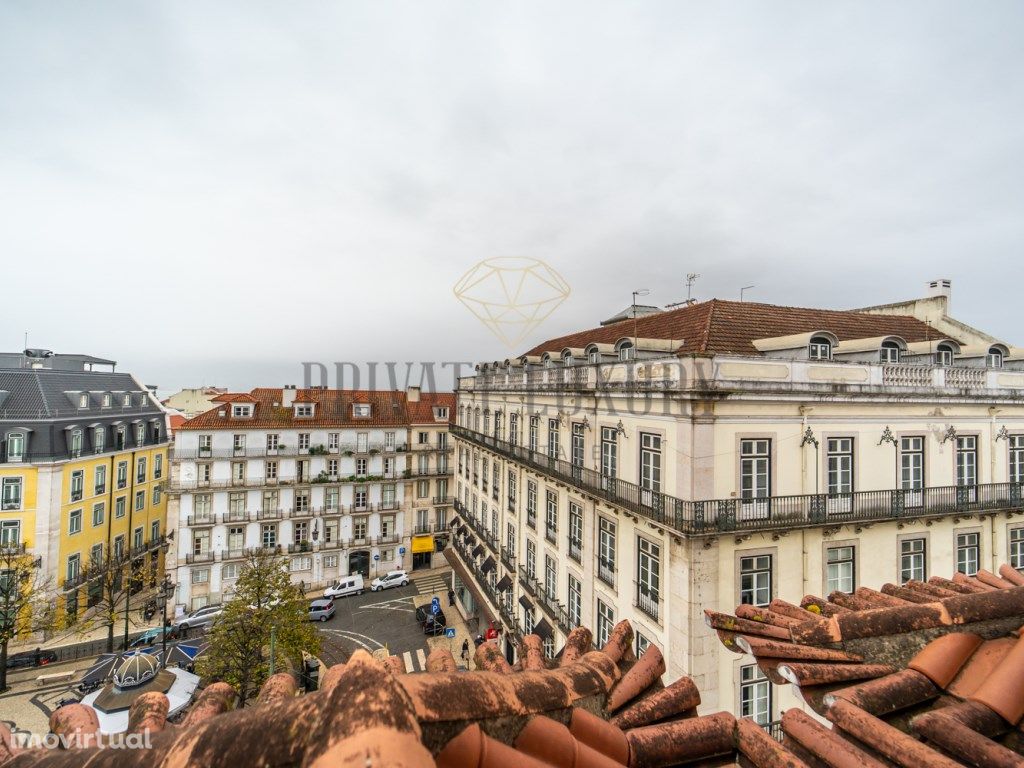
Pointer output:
x,y
924,674
422,412
333,409
730,327
176,420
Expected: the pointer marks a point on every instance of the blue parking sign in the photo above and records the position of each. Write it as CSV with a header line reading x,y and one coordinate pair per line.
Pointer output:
x,y
401,550
449,632
435,606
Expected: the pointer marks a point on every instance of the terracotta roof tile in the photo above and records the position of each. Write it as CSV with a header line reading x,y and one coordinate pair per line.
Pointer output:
x,y
730,327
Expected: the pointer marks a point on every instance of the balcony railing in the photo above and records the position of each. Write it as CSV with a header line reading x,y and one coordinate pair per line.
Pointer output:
x,y
576,549
300,546
648,601
441,500
551,534
508,559
606,573
199,557
773,512
421,528
194,520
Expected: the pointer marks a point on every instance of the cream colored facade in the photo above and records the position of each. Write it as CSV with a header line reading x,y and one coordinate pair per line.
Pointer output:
x,y
736,478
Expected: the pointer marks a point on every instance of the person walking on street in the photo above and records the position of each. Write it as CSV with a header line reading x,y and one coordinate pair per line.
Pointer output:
x,y
465,650
451,597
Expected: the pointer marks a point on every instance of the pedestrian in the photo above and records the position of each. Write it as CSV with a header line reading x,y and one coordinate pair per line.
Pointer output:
x,y
465,650
451,597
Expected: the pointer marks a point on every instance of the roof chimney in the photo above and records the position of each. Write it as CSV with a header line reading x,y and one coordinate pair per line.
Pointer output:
x,y
412,394
288,395
942,287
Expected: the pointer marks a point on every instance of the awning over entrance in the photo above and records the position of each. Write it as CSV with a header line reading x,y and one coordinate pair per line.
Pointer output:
x,y
526,602
542,629
478,550
488,565
422,544
504,584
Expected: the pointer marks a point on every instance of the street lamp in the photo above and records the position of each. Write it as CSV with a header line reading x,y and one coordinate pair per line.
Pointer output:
x,y
167,588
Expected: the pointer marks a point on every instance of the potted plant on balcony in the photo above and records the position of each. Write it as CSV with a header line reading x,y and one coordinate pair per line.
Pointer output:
x,y
374,451
347,452
406,473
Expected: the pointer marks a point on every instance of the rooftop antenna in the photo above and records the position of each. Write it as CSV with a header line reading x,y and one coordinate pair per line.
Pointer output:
x,y
745,288
691,278
638,292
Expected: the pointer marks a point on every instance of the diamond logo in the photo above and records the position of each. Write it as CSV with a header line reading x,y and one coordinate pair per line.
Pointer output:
x,y
511,295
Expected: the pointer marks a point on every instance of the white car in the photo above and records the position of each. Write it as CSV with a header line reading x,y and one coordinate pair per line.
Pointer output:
x,y
346,585
390,579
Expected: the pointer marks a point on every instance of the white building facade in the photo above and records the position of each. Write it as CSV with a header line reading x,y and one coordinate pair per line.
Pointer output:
x,y
326,477
727,453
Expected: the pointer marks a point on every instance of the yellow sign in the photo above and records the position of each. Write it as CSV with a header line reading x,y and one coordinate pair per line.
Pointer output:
x,y
422,543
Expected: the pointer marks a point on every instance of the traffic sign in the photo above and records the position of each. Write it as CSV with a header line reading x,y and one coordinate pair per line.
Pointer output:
x,y
376,557
449,632
435,605
401,550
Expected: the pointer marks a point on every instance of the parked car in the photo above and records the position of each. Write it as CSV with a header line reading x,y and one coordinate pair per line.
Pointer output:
x,y
321,609
423,613
153,636
201,617
30,659
435,624
390,579
345,586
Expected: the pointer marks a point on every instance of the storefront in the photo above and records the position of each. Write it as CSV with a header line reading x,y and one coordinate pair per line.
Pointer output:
x,y
422,552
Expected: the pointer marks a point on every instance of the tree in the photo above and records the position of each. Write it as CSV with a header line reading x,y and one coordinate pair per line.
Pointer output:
x,y
25,600
108,584
265,602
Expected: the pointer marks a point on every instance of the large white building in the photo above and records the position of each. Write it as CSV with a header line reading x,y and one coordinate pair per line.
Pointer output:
x,y
726,453
339,480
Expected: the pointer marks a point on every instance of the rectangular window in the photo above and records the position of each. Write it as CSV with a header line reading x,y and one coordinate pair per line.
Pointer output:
x,y
120,506
606,551
968,553
575,532
648,577
531,559
913,560
510,540
967,460
98,513
122,474
550,577
100,479
531,503
553,446
11,493
304,441
840,570
75,521
511,490
574,604
912,466
15,446
534,430
755,477
77,484
140,469
137,538
10,533
609,452
154,531
1016,443
158,466
200,575
650,462
1017,548
513,428
605,622
140,501
268,534
756,580
839,465
551,516
755,695
577,445
74,565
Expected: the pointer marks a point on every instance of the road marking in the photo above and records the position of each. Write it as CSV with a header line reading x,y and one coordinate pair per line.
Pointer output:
x,y
422,658
407,659
370,644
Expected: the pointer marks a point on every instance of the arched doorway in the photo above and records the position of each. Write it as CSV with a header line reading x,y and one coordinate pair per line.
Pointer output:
x,y
359,562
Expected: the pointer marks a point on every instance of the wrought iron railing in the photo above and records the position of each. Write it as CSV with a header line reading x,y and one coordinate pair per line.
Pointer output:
x,y
772,512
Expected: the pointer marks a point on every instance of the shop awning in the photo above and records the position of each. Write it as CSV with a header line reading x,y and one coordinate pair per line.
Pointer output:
x,y
488,565
469,581
478,550
463,530
504,584
526,602
422,544
542,629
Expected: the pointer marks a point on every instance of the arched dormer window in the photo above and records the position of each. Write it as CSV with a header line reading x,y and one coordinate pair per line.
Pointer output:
x,y
594,357
944,354
994,358
890,352
820,348
567,359
627,351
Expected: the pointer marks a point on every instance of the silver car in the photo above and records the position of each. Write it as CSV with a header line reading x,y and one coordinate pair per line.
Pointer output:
x,y
202,617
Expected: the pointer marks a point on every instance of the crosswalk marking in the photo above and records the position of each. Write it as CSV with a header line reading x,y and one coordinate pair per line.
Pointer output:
x,y
421,657
407,658
419,665
436,584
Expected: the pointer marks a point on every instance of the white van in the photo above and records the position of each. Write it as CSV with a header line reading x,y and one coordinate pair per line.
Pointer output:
x,y
345,586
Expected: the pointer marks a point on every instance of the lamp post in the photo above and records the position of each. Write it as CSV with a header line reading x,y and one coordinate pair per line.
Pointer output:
x,y
167,588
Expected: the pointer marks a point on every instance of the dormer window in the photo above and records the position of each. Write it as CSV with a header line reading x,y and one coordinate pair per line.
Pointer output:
x,y
15,446
594,357
241,411
108,400
820,348
890,352
83,400
361,410
304,411
994,358
944,355
127,401
567,358
440,414
627,352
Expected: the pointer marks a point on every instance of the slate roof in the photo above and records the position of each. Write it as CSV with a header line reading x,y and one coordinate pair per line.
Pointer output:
x,y
42,393
333,408
730,327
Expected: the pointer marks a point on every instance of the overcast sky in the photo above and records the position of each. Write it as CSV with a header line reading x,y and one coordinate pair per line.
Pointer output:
x,y
211,193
